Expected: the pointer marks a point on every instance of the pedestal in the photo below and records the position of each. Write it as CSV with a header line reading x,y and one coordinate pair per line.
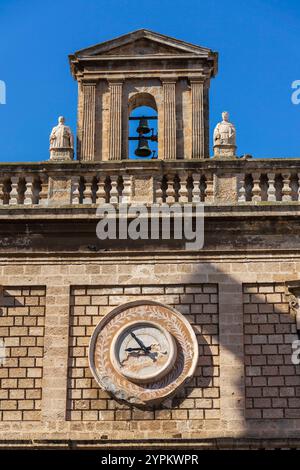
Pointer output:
x,y
226,151
60,155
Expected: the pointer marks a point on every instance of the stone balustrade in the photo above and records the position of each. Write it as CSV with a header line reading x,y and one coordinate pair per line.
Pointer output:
x,y
211,181
269,187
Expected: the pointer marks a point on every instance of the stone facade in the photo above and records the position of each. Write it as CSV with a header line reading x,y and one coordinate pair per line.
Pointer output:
x,y
239,293
143,68
245,386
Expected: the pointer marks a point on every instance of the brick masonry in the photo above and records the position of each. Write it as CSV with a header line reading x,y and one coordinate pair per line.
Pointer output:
x,y
200,399
75,302
272,380
22,315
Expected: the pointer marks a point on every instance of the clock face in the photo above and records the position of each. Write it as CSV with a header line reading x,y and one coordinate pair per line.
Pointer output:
x,y
143,351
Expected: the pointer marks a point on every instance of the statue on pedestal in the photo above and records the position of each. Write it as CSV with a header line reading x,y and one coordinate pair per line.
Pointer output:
x,y
225,138
61,142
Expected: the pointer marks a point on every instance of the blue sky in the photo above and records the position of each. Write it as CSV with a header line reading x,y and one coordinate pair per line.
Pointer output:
x,y
259,57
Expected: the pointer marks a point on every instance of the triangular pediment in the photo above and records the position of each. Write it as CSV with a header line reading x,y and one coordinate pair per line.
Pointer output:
x,y
143,43
142,46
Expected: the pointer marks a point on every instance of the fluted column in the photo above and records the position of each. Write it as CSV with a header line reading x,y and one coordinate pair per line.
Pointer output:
x,y
198,124
115,120
89,116
169,119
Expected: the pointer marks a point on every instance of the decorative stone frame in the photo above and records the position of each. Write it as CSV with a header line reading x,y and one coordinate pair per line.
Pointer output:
x,y
161,389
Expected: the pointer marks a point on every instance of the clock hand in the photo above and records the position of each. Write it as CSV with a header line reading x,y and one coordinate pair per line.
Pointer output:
x,y
139,342
137,349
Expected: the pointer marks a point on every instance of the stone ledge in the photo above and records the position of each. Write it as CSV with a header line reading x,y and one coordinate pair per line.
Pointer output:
x,y
88,211
138,165
145,444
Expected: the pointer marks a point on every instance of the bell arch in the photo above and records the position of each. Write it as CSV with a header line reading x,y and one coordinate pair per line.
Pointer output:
x,y
141,99
143,105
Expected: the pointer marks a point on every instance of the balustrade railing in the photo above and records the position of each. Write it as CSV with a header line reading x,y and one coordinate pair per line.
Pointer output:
x,y
184,187
269,187
252,182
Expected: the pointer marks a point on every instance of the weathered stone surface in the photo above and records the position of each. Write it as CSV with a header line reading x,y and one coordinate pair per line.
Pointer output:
x,y
239,293
179,95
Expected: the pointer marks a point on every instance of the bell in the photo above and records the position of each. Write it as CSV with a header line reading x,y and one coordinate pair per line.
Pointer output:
x,y
143,149
143,126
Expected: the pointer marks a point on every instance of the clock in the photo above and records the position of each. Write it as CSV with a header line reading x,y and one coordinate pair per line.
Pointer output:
x,y
142,352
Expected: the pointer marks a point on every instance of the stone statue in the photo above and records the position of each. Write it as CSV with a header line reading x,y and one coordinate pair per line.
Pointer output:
x,y
61,141
224,138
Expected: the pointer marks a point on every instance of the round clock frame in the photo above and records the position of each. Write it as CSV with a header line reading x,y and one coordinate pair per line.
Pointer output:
x,y
157,369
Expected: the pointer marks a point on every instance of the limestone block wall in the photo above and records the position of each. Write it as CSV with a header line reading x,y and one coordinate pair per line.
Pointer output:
x,y
22,315
245,385
200,399
272,380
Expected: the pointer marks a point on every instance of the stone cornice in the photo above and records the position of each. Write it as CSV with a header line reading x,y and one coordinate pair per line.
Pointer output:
x,y
269,164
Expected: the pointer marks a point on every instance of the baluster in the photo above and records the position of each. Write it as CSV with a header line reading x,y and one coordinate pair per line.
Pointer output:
x,y
170,190
196,187
14,195
183,192
1,194
126,193
75,194
271,187
28,195
87,193
209,191
101,193
158,190
256,190
114,195
286,190
241,188
36,189
43,200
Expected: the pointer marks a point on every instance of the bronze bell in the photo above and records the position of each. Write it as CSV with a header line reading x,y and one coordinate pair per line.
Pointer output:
x,y
143,126
143,149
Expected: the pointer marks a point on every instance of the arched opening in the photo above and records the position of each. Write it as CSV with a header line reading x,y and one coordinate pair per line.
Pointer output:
x,y
142,127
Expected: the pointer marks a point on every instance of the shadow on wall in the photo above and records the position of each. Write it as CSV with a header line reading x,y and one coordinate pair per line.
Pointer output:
x,y
22,312
256,351
253,376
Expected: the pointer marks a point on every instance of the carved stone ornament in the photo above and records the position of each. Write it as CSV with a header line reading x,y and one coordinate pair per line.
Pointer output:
x,y
143,352
292,292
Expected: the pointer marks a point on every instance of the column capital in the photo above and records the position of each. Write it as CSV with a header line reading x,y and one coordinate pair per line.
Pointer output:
x,y
197,79
168,80
115,81
89,82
